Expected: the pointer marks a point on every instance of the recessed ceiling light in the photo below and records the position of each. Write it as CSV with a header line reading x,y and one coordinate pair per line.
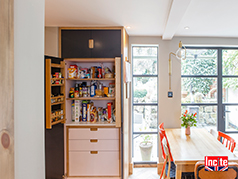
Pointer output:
x,y
186,27
128,27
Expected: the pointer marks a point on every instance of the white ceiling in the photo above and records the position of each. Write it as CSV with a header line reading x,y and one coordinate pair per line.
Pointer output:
x,y
166,18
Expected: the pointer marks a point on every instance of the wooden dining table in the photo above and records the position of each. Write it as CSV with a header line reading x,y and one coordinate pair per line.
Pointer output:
x,y
187,150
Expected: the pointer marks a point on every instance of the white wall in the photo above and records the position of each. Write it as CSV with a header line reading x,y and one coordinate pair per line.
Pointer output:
x,y
29,89
51,41
170,108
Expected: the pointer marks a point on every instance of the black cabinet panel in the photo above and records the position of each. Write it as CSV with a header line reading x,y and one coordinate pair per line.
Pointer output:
x,y
107,43
74,44
54,152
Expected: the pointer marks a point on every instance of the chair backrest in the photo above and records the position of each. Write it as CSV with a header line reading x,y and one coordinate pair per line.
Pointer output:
x,y
200,172
225,139
164,141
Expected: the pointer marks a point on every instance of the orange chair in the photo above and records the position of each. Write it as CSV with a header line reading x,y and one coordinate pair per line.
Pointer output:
x,y
166,154
227,141
200,172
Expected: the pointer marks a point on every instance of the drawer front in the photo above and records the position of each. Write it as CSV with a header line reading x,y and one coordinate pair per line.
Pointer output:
x,y
97,164
93,144
94,133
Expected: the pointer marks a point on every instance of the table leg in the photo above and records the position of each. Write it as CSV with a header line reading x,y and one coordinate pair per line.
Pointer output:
x,y
178,172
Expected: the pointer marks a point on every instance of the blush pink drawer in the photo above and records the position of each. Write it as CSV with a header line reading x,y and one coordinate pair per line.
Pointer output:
x,y
94,133
98,164
93,144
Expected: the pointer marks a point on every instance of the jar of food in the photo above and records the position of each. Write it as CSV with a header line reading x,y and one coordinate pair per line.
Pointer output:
x,y
85,91
71,94
76,94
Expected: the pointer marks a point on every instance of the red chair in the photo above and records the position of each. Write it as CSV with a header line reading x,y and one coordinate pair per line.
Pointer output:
x,y
225,139
166,153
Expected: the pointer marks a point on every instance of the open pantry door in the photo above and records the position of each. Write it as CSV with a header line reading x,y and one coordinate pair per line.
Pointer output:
x,y
54,136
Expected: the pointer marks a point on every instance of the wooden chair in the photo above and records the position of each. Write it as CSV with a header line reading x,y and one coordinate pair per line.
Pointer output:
x,y
200,172
225,139
166,154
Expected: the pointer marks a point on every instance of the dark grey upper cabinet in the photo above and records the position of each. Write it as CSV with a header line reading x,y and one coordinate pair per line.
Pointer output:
x,y
74,43
107,43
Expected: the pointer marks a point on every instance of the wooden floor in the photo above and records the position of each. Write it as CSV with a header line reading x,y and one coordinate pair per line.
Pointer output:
x,y
144,173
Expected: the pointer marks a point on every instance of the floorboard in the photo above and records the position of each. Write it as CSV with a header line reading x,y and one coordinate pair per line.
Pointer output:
x,y
144,173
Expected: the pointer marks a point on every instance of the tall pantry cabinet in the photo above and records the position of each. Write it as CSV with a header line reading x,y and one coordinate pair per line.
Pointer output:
x,y
93,149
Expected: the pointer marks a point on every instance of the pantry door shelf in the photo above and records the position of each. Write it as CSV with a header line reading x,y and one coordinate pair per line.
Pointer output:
x,y
57,84
56,97
54,65
92,79
51,68
59,121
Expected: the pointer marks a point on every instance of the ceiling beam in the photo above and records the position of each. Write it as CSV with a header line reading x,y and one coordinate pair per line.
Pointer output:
x,y
177,11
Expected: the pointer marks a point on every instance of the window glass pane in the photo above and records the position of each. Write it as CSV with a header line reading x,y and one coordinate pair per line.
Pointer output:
x,y
145,118
230,62
230,90
145,60
231,113
145,89
145,147
199,90
200,62
206,115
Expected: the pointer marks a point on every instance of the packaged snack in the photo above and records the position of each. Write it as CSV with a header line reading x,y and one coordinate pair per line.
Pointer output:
x,y
72,72
93,114
109,112
84,111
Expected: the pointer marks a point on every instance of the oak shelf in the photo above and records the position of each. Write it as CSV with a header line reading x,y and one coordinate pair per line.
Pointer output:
x,y
92,98
92,79
91,60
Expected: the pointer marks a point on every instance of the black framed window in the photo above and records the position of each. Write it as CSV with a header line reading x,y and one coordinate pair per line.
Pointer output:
x,y
145,104
209,86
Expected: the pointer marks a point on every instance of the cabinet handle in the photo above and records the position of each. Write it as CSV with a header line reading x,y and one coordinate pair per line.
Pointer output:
x,y
93,140
94,152
93,129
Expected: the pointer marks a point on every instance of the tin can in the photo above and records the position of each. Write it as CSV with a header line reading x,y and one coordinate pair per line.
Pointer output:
x,y
56,75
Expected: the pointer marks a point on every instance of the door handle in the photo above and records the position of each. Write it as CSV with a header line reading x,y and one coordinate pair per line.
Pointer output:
x,y
94,152
93,140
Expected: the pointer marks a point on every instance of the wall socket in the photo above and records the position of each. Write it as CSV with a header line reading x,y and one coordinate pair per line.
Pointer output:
x,y
170,94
